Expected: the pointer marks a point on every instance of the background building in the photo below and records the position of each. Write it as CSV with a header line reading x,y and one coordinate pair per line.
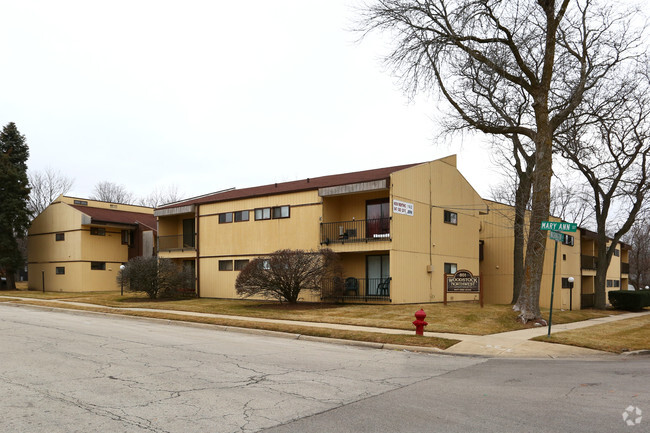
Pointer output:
x,y
575,258
78,245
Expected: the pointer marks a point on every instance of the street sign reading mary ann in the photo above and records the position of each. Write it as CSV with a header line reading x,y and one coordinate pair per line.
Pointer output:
x,y
560,227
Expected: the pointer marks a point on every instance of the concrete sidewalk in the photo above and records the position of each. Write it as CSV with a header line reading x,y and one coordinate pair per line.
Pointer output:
x,y
510,344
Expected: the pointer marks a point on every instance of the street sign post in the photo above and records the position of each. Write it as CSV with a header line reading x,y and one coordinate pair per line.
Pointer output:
x,y
554,229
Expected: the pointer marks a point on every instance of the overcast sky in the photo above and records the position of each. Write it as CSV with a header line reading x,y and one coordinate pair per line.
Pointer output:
x,y
208,95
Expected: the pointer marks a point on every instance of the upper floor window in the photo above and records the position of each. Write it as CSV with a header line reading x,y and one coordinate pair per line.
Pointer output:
x,y
127,237
98,231
281,212
225,217
567,240
263,214
60,270
451,217
276,212
81,202
60,236
617,253
242,215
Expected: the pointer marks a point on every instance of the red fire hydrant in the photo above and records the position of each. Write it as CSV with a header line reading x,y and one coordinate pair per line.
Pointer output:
x,y
420,323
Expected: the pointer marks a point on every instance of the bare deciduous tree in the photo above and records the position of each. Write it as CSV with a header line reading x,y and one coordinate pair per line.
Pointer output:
x,y
639,240
509,68
159,197
286,273
112,192
46,186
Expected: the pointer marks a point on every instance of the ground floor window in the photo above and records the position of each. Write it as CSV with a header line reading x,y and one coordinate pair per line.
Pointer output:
x,y
240,264
98,266
60,270
225,265
451,268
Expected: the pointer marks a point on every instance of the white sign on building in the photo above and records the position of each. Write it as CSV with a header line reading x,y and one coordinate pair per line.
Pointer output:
x,y
402,207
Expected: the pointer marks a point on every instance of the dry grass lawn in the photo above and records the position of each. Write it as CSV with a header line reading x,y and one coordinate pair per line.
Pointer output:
x,y
461,318
622,336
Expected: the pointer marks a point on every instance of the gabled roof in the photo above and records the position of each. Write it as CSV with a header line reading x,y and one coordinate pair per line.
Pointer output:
x,y
99,215
294,186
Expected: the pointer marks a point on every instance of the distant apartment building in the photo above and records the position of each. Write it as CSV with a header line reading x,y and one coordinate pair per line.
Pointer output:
x,y
576,257
398,231
78,245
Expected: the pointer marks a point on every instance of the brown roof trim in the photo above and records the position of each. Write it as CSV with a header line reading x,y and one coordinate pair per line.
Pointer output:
x,y
295,186
113,216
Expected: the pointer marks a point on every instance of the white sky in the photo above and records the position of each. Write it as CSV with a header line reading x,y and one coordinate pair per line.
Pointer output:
x,y
208,95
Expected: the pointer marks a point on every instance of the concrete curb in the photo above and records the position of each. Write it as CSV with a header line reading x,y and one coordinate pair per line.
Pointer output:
x,y
636,353
253,331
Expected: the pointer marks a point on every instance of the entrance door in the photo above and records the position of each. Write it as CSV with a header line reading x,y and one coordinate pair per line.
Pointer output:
x,y
188,233
377,218
377,275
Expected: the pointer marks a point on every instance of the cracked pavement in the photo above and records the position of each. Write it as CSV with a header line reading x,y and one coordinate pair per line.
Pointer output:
x,y
66,372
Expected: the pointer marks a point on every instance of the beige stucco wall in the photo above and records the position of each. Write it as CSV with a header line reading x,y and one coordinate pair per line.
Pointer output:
x,y
424,239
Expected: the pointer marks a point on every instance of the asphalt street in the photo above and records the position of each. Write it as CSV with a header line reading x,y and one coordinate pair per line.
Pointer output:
x,y
82,372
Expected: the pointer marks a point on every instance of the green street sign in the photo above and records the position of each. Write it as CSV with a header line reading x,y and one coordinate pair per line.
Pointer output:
x,y
561,227
556,236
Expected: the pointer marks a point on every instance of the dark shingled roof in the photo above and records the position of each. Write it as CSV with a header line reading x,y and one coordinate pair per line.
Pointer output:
x,y
294,186
100,215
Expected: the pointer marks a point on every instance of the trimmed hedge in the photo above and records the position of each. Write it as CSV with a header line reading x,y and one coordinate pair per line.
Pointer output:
x,y
629,300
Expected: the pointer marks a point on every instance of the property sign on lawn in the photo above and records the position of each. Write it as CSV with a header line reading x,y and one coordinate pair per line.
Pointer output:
x,y
560,227
403,207
556,236
463,282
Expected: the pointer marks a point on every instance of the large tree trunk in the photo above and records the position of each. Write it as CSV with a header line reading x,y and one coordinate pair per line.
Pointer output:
x,y
528,301
521,200
11,279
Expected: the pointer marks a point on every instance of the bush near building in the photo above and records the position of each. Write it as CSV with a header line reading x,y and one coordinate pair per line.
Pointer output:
x,y
629,300
158,278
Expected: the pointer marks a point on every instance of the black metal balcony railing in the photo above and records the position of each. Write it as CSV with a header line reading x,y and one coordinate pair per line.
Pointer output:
x,y
352,288
355,231
177,242
625,268
588,262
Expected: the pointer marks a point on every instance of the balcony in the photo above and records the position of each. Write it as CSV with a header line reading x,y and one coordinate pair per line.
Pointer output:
x,y
341,232
625,268
184,242
588,262
357,289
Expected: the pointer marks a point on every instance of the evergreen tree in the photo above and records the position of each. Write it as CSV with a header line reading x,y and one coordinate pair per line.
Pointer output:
x,y
14,198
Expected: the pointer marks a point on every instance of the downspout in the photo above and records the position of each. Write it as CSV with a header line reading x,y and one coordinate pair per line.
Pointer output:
x,y
430,238
198,255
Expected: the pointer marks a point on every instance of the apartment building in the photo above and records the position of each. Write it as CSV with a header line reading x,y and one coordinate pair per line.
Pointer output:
x,y
78,245
575,259
398,230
